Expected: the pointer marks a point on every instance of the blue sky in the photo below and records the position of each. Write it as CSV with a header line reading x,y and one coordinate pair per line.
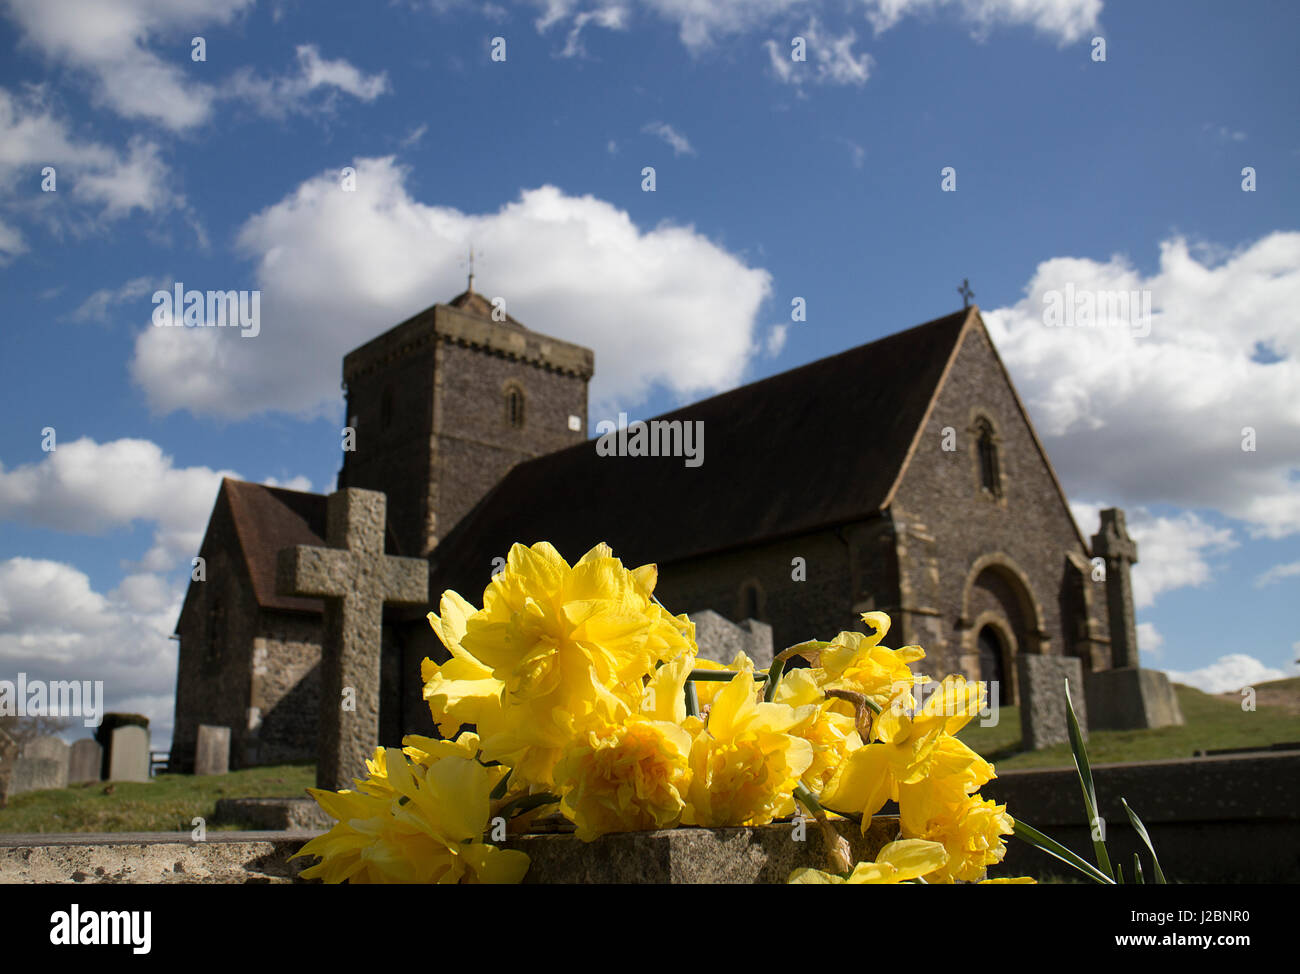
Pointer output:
x,y
774,179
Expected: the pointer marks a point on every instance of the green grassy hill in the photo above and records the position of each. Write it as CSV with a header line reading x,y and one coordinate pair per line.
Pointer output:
x,y
1212,722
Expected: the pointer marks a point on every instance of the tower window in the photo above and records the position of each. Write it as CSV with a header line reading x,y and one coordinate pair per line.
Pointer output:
x,y
515,407
986,446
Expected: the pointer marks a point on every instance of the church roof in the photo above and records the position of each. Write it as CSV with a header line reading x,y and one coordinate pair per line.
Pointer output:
x,y
264,520
267,519
818,445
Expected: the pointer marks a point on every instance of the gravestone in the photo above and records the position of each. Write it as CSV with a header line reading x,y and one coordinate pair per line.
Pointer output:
x,y
53,750
356,579
128,754
1043,718
212,753
37,774
1125,697
720,639
8,754
84,761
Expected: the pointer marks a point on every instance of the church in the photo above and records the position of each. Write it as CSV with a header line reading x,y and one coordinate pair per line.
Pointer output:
x,y
904,475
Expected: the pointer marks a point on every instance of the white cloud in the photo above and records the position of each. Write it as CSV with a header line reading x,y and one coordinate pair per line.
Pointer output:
x,y
93,183
1149,639
279,96
1159,418
1173,552
1227,674
113,42
1277,573
86,487
701,23
664,307
54,626
776,340
97,305
1066,21
110,40
678,142
830,59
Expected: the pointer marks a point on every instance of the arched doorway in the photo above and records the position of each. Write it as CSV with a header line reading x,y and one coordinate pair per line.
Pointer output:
x,y
1000,619
993,661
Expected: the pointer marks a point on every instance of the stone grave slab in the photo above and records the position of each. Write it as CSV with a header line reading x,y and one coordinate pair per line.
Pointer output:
x,y
212,752
49,748
128,757
85,761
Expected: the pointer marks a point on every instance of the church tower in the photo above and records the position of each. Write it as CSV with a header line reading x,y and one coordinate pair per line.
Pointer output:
x,y
444,404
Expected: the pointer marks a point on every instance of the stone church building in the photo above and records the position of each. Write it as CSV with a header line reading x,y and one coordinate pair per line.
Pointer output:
x,y
903,475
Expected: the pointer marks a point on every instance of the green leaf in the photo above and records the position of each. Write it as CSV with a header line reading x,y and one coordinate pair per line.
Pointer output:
x,y
1137,868
1141,830
1038,840
1085,781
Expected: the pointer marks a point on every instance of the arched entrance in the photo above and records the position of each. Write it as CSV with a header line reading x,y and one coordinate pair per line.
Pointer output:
x,y
1001,619
993,656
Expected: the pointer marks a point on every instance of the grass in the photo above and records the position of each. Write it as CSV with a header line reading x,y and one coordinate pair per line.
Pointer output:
x,y
1212,721
169,803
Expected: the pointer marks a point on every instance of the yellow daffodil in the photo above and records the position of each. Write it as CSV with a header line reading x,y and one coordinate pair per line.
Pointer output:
x,y
971,832
898,862
625,778
461,690
745,763
571,646
904,749
859,663
832,734
414,822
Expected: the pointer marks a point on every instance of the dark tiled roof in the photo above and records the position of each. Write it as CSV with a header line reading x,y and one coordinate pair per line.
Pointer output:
x,y
267,519
819,445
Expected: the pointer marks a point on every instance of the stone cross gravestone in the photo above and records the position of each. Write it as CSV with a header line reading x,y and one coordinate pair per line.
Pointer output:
x,y
355,578
84,761
1043,718
1113,544
128,754
212,752
1125,697
53,750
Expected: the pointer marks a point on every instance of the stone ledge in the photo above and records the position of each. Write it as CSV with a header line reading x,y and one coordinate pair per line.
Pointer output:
x,y
763,854
151,857
292,814
1238,788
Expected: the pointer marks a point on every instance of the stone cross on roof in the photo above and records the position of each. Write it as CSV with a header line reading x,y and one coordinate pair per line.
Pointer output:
x,y
1120,552
355,578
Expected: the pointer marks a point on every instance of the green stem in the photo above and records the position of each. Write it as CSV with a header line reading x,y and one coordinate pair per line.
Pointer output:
x,y
500,790
692,700
719,676
773,679
526,803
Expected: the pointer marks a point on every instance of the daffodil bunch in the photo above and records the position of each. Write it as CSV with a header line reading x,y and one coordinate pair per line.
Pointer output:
x,y
587,698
